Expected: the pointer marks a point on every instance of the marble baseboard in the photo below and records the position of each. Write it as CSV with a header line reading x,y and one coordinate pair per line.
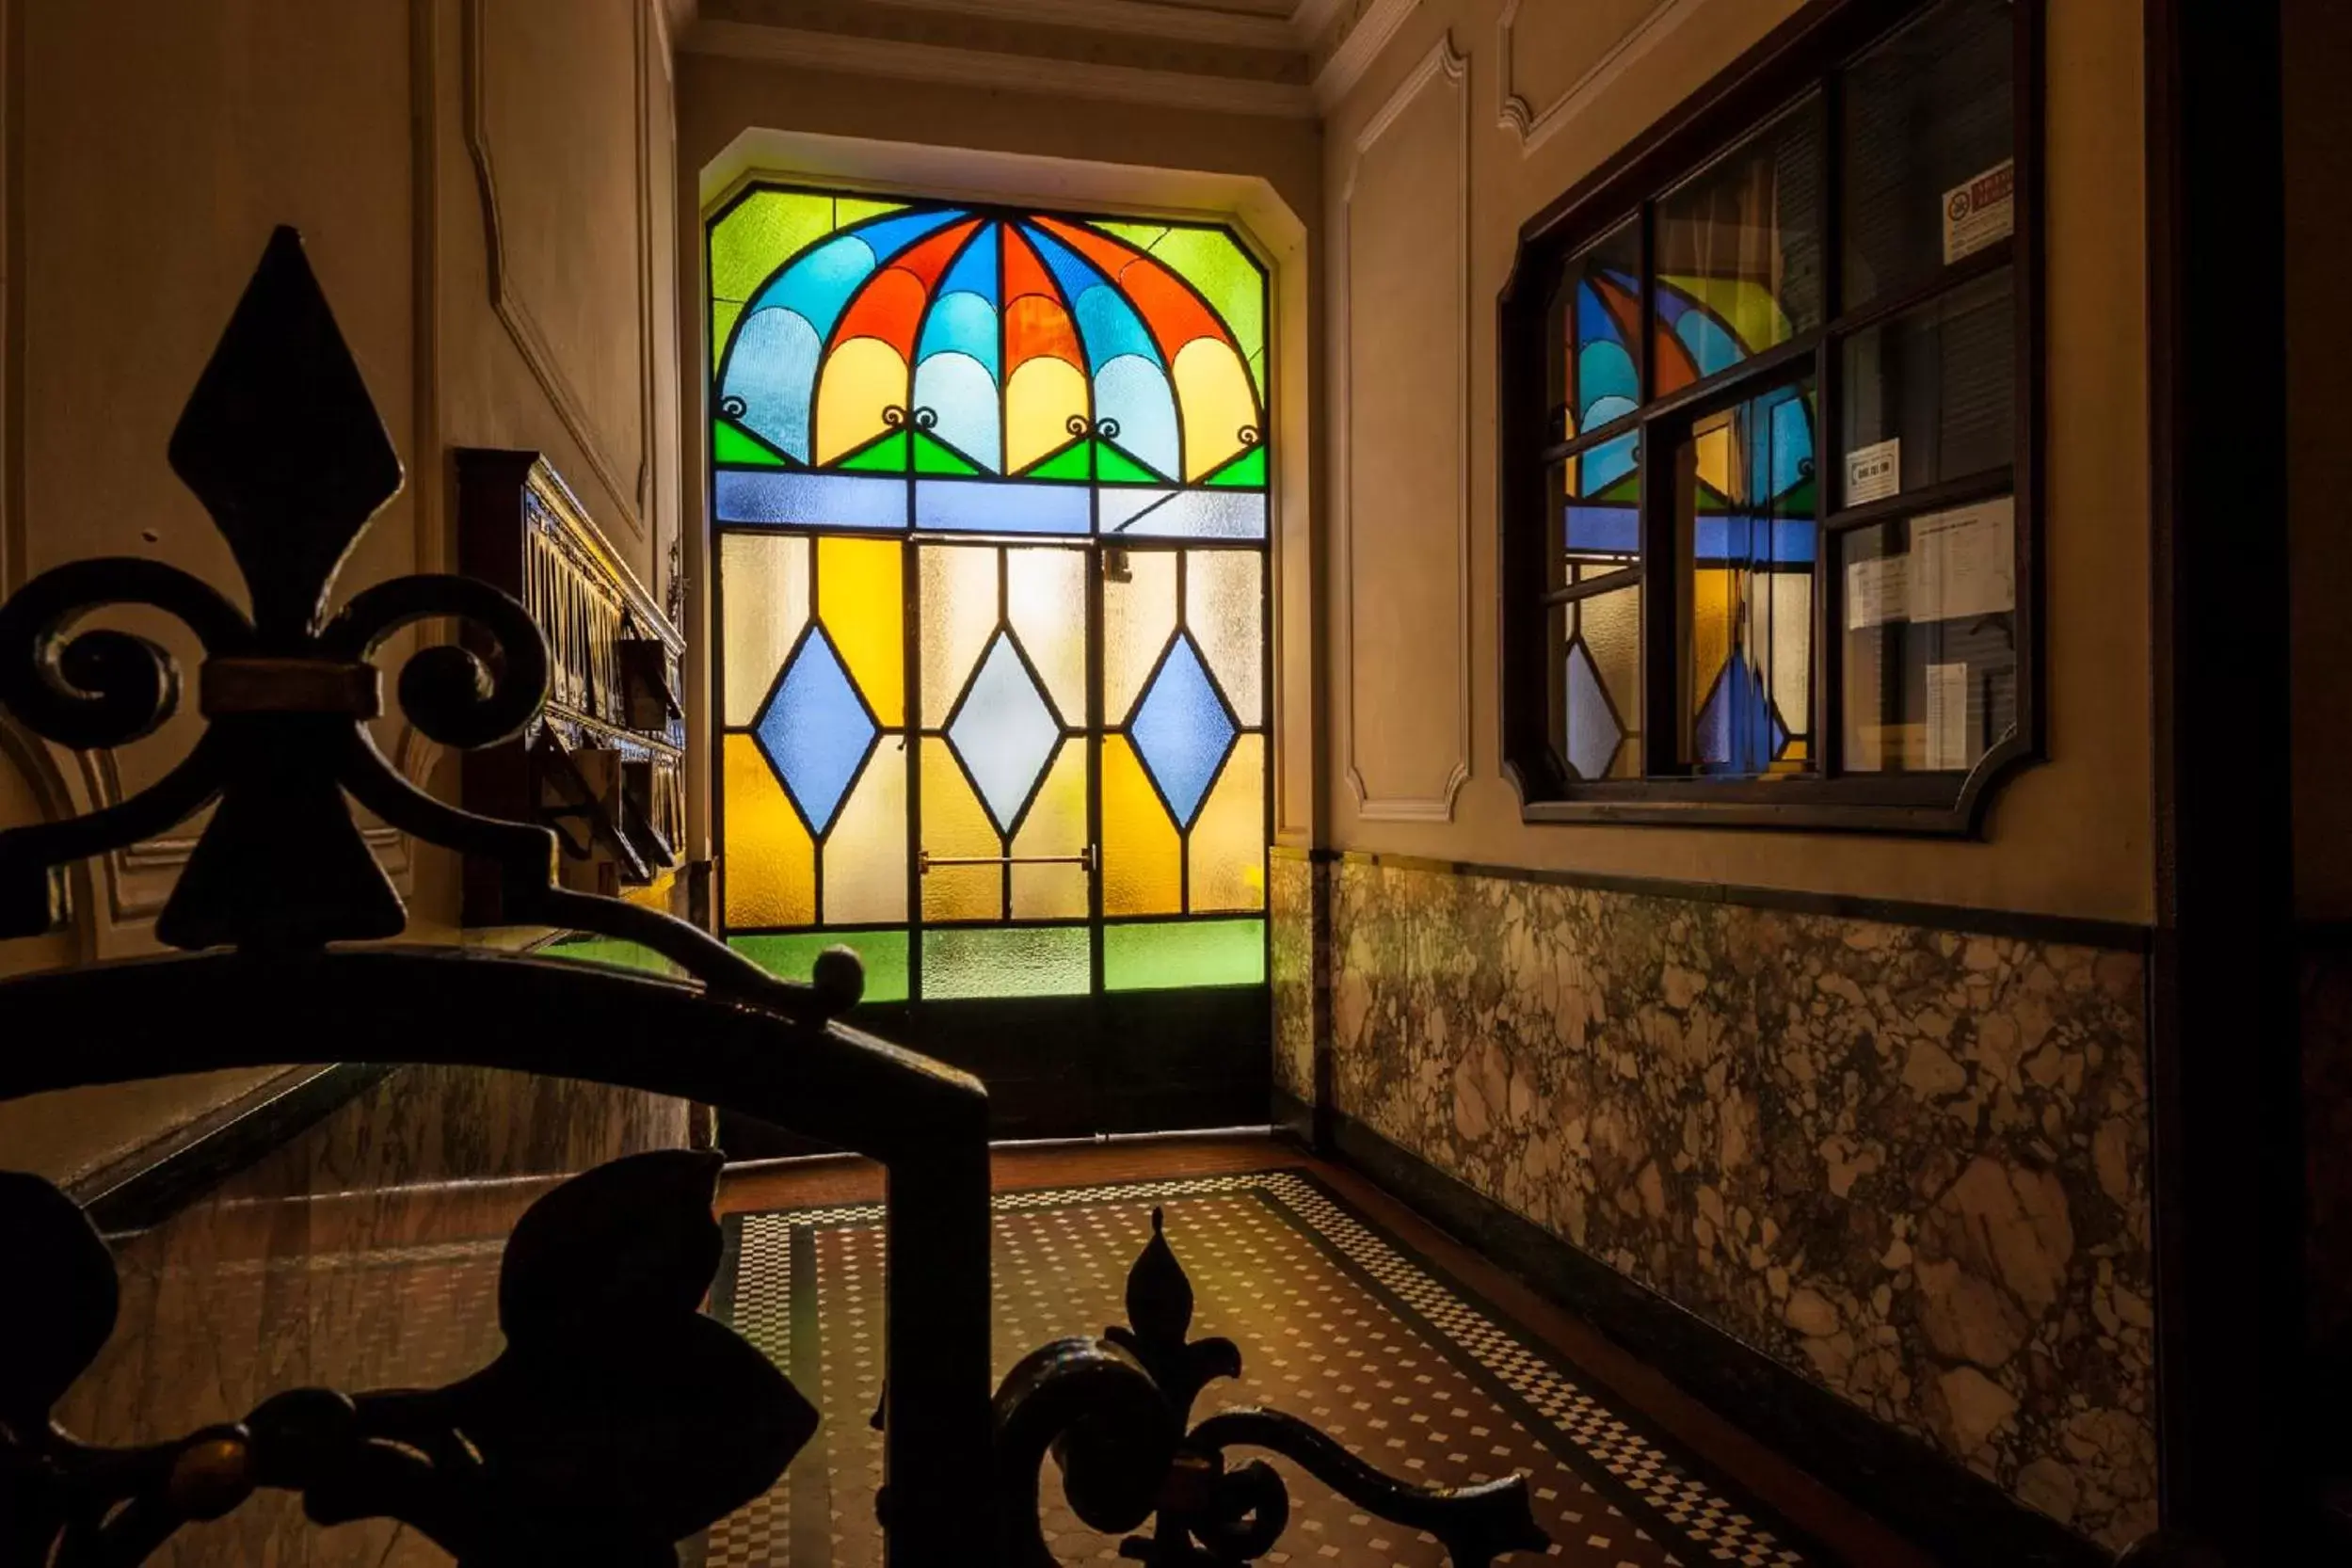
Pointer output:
x,y
1908,1164
1290,886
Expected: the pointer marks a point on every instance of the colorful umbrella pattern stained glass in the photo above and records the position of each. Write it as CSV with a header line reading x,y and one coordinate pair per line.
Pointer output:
x,y
981,370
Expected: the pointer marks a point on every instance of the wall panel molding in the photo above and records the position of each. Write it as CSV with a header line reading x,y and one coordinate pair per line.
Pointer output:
x,y
626,490
1533,124
1441,70
1362,45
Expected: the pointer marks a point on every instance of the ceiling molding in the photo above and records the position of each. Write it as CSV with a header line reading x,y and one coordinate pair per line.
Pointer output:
x,y
927,62
1135,18
1534,126
1359,49
1310,17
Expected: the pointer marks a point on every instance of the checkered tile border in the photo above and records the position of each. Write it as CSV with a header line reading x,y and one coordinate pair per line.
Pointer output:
x,y
1710,1521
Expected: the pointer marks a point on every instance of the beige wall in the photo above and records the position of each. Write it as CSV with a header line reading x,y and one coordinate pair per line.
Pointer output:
x,y
476,183
1431,173
1087,152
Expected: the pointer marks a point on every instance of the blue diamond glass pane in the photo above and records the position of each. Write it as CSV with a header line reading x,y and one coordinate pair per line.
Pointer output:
x,y
816,732
1004,732
1592,732
1181,730
1737,729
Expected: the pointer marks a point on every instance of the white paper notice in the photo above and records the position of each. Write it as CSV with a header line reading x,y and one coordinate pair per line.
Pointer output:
x,y
1980,212
1874,472
1946,739
1878,592
1964,562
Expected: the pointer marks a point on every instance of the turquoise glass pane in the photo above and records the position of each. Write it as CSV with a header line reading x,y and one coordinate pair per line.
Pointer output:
x,y
974,963
794,957
816,731
1183,954
1004,731
1181,730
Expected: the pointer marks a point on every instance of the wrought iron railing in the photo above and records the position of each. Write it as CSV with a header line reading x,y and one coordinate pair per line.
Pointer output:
x,y
617,1420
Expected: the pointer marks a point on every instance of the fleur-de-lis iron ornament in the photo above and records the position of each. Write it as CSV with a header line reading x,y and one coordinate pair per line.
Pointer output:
x,y
281,444
618,1420
1115,1414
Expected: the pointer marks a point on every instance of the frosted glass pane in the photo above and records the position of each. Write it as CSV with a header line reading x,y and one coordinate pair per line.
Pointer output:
x,y
763,578
1791,634
1181,730
1007,961
1225,608
860,596
767,864
1141,865
1611,630
1004,731
1045,598
1183,954
959,610
955,826
1229,844
1138,615
884,953
1056,826
865,855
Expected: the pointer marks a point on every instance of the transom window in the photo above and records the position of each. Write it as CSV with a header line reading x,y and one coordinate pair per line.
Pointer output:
x,y
1770,393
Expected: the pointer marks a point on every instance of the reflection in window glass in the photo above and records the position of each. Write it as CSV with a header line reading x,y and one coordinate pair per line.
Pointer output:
x,y
1597,703
1928,114
1744,508
1929,623
1739,253
1941,382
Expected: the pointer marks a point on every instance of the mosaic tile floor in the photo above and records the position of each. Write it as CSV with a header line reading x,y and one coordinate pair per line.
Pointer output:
x,y
1337,1321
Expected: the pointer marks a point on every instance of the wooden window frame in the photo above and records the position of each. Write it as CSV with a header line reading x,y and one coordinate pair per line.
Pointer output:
x,y
1807,55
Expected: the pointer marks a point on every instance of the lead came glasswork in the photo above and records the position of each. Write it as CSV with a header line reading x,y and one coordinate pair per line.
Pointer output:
x,y
962,378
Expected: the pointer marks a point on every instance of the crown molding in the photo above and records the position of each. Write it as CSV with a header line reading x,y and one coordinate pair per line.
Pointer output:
x,y
1359,49
1133,18
927,62
1310,17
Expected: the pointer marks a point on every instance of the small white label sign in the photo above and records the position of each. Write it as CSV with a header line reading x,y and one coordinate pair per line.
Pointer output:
x,y
1981,212
1874,472
1878,592
1964,562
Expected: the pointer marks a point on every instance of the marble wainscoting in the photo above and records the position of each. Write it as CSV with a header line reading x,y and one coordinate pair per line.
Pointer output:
x,y
1290,891
1909,1163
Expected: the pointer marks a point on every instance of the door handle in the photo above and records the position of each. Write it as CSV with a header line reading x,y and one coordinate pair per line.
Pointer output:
x,y
925,860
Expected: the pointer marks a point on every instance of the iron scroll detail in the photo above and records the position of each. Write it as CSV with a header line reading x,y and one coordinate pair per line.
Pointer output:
x,y
1115,1415
284,446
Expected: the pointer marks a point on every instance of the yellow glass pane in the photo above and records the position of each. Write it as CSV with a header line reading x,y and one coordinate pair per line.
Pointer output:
x,y
724,315
759,234
959,611
1142,860
1137,616
768,865
763,578
1228,846
1713,600
1045,598
1056,824
856,210
954,826
1212,388
1039,403
862,378
1790,641
1718,460
865,855
860,596
1225,608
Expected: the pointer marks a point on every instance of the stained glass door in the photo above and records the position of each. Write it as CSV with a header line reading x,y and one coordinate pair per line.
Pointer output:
x,y
991,490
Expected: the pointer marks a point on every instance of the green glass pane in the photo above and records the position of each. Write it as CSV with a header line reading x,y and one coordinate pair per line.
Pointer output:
x,y
758,234
1245,472
600,950
885,455
1068,463
1213,262
1184,953
1006,961
731,444
1114,466
933,456
794,957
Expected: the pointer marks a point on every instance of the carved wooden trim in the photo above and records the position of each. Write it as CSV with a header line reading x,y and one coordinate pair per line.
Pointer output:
x,y
1534,126
1441,63
515,311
